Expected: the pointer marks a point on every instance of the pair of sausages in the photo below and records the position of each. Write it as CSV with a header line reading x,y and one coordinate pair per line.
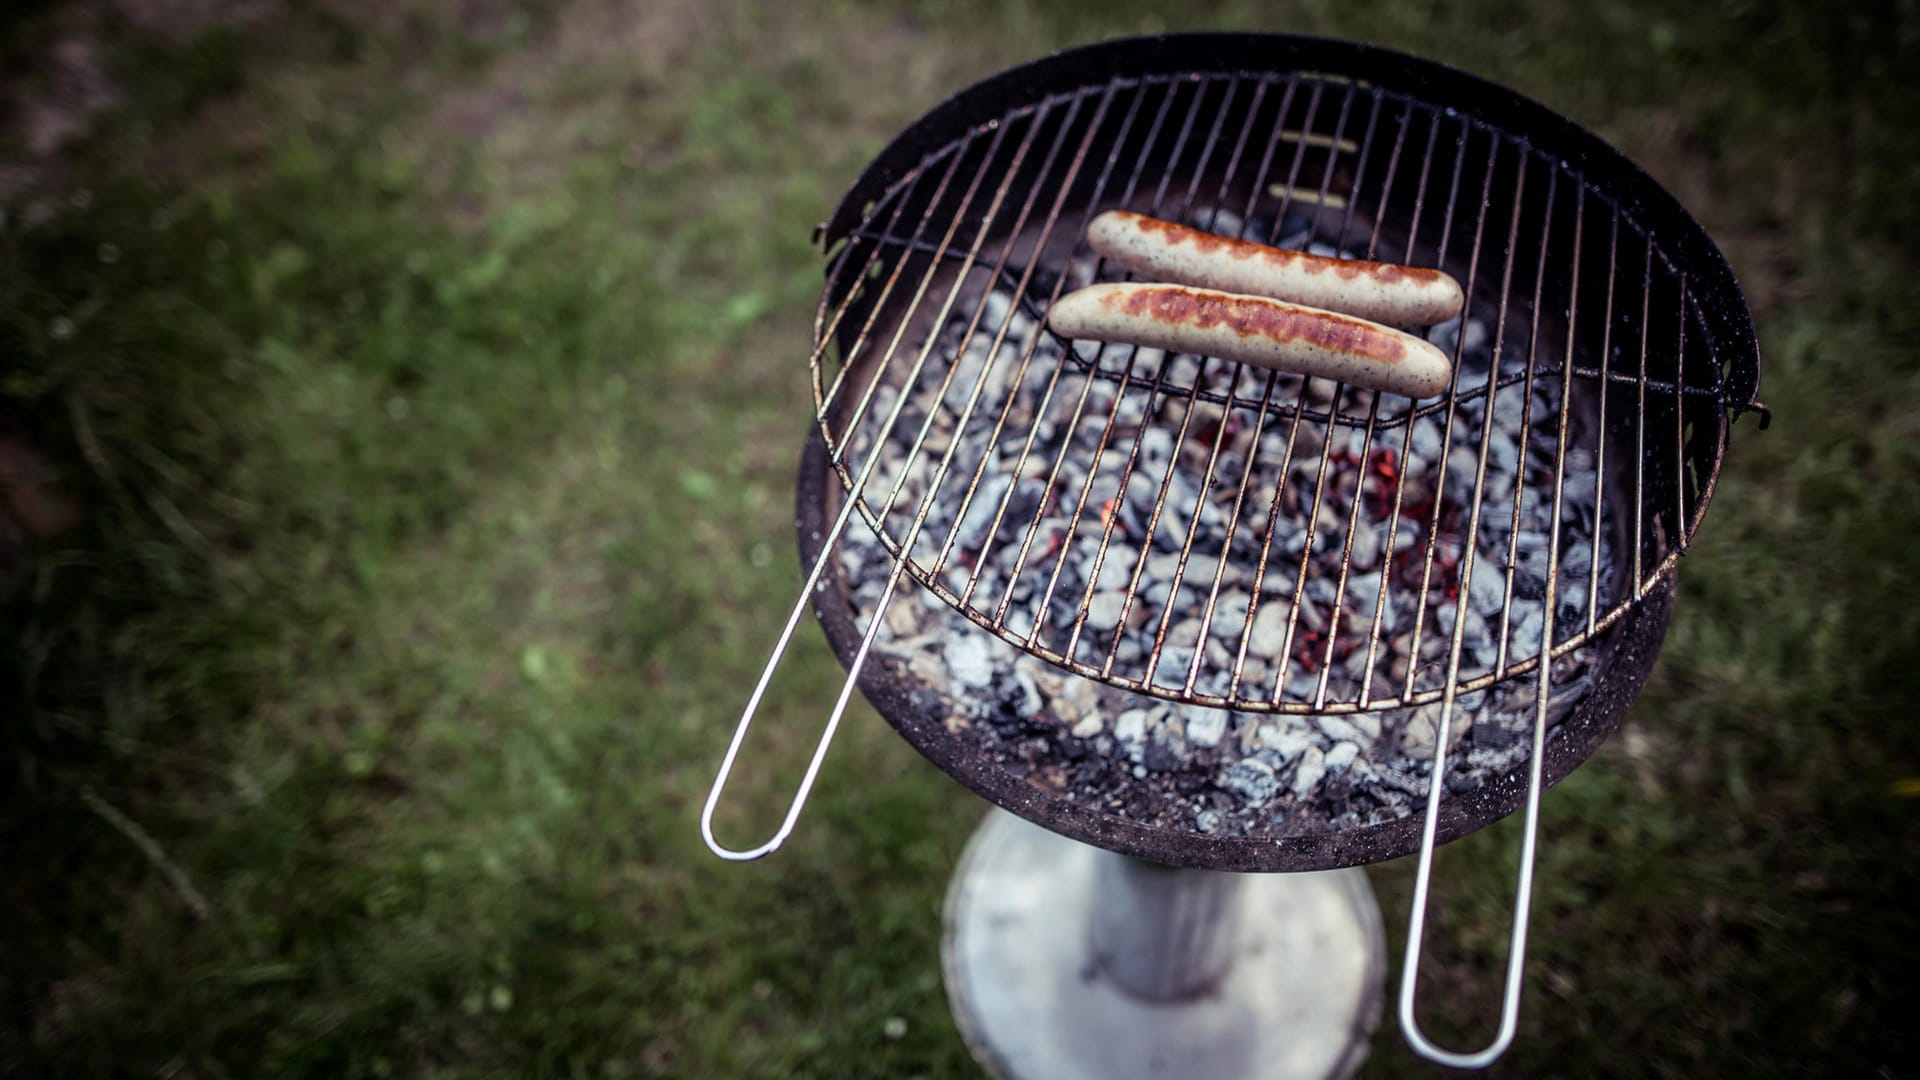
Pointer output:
x,y
1261,305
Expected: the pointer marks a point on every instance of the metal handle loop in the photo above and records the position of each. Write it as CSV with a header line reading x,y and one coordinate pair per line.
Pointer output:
x,y
859,661
1523,897
759,691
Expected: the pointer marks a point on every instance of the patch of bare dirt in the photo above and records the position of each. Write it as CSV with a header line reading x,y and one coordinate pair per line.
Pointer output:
x,y
638,44
54,96
36,508
51,100
181,20
76,88
543,107
521,110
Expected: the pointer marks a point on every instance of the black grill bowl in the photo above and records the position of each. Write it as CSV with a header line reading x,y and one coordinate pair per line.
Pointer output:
x,y
1666,378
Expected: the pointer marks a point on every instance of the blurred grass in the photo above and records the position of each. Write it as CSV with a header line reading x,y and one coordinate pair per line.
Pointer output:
x,y
431,380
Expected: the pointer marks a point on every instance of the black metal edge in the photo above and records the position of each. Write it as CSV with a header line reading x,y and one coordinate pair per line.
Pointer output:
x,y
1638,636
1725,314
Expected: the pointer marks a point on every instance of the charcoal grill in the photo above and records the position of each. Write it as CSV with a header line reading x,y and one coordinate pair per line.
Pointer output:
x,y
1513,540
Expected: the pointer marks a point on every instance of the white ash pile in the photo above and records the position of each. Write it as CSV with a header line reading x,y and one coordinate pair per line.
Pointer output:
x,y
1118,504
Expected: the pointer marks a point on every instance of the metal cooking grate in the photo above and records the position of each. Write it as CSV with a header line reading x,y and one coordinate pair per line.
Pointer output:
x,y
1571,282
1618,337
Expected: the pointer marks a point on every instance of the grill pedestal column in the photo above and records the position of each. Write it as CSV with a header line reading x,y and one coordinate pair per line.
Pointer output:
x,y
1063,960
1163,934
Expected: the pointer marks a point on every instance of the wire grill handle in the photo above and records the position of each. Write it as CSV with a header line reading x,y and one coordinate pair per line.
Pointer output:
x,y
820,747
1523,896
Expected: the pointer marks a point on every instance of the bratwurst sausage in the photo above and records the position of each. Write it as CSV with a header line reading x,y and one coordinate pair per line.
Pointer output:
x,y
1383,292
1254,330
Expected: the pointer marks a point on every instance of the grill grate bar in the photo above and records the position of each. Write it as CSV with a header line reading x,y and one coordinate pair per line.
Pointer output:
x,y
1233,161
1266,542
1680,423
1320,473
1406,439
905,547
1252,454
1066,542
1293,428
1206,484
1520,486
902,553
926,281
1469,548
1453,390
1186,132
1208,609
1286,468
1600,425
1186,545
1360,177
1110,521
1337,620
1640,430
1106,433
1140,559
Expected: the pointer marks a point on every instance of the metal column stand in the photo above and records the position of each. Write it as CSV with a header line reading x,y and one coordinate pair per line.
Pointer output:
x,y
1063,960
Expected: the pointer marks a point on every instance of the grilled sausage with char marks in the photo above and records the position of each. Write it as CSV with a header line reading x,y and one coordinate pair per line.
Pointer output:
x,y
1383,292
1255,330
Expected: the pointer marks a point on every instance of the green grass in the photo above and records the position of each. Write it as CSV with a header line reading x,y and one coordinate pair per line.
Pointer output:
x,y
432,383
